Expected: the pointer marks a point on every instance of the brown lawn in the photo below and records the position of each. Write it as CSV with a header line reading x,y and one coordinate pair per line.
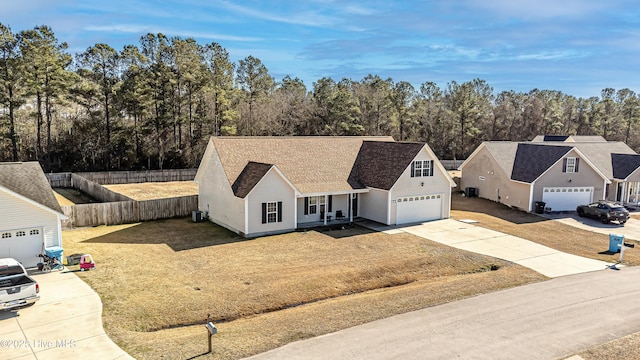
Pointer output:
x,y
160,281
155,190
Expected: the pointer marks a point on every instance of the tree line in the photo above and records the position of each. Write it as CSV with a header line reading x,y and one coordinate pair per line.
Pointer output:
x,y
154,105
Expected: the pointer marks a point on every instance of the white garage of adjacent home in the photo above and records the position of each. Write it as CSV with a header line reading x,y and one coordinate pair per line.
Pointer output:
x,y
29,213
566,198
420,208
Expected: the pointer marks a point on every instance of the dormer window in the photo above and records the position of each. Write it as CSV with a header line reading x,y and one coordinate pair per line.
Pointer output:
x,y
570,165
421,168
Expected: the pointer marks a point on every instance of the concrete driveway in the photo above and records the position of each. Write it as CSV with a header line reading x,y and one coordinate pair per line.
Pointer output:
x,y
65,323
466,236
630,230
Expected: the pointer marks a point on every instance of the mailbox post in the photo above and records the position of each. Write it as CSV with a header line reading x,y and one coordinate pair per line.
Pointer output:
x,y
212,330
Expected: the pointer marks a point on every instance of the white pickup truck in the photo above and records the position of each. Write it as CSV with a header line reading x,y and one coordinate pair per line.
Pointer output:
x,y
17,289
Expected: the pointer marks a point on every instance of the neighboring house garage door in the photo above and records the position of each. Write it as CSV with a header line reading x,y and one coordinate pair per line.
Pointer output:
x,y
23,245
418,208
566,198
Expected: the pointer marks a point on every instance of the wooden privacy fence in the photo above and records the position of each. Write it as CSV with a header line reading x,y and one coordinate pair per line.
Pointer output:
x,y
451,164
125,212
96,190
117,208
60,180
130,177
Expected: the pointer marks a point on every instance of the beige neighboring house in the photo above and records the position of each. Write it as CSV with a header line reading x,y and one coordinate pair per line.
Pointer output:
x,y
256,186
561,171
30,215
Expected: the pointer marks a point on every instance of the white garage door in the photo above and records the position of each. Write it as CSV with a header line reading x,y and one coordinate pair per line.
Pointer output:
x,y
566,198
23,245
410,209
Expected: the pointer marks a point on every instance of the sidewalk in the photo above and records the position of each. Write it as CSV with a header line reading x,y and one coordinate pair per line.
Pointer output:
x,y
65,323
466,236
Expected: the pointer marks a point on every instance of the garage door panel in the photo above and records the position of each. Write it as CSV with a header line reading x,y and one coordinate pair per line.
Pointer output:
x,y
566,198
23,245
419,208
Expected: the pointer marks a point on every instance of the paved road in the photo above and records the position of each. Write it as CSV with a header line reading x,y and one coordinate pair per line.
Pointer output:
x,y
548,320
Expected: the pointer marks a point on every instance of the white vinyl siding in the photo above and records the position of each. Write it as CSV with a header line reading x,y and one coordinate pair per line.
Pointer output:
x,y
19,215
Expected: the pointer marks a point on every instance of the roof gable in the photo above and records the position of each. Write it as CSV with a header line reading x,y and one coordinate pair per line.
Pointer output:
x,y
531,160
380,164
249,177
28,180
624,165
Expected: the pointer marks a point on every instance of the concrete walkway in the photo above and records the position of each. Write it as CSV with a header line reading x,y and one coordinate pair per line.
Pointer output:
x,y
466,236
552,319
65,323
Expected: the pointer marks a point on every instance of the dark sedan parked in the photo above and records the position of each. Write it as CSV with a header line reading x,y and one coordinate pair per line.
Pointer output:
x,y
604,211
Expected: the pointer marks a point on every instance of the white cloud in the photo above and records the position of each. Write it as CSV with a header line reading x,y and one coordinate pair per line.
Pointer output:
x,y
305,18
132,28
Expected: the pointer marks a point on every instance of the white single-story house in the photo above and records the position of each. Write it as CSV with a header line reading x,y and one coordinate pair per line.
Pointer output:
x,y
265,185
560,171
30,215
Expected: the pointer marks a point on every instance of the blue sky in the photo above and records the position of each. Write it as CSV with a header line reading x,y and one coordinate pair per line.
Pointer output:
x,y
575,46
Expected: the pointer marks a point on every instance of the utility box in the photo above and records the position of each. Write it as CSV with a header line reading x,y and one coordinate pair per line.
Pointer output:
x,y
471,192
196,216
616,242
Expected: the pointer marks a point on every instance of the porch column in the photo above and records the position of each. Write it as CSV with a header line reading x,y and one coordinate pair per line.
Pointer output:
x,y
326,207
636,199
624,192
350,208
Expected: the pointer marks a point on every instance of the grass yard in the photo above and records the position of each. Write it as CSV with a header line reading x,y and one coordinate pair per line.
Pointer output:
x,y
554,234
160,281
155,190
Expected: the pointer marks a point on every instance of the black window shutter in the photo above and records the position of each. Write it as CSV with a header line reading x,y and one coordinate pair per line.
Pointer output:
x,y
413,168
577,162
264,213
279,211
306,206
564,165
431,168
330,203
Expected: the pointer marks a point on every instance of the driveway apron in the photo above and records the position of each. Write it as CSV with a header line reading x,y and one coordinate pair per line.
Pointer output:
x,y
65,323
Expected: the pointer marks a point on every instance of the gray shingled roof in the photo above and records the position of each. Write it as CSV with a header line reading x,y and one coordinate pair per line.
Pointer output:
x,y
380,164
624,165
314,164
249,177
504,152
532,160
599,153
28,180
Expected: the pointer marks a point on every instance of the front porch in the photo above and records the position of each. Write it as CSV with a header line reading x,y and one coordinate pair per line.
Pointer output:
x,y
329,223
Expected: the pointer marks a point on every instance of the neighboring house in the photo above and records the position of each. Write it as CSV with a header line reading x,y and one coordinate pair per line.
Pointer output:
x,y
29,213
562,171
265,185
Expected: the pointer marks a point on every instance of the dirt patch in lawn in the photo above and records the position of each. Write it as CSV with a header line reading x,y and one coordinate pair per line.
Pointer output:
x,y
160,282
155,190
566,238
